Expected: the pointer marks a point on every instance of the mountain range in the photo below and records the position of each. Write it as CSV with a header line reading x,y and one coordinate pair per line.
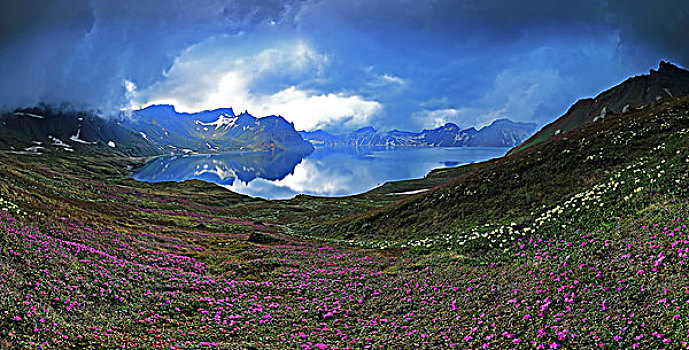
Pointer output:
x,y
216,131
500,133
155,130
160,129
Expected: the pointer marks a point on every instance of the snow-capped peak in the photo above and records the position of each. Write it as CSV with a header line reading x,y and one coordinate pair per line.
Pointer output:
x,y
225,120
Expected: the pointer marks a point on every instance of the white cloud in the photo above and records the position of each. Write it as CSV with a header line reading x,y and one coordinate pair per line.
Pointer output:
x,y
129,86
387,80
310,111
223,78
437,117
463,117
312,177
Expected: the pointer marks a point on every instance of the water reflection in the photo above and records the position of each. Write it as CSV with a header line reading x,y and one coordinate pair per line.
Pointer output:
x,y
222,169
325,172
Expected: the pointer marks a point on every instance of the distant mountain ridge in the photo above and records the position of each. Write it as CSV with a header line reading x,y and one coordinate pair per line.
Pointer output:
x,y
500,133
666,82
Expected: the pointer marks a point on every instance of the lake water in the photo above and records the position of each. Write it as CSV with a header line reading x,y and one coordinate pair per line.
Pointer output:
x,y
324,172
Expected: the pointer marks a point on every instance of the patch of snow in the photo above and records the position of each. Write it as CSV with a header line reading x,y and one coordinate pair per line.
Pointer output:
x,y
658,98
205,128
143,134
27,153
558,131
77,138
601,115
112,144
37,142
57,142
80,119
625,109
24,114
34,149
667,91
408,192
225,120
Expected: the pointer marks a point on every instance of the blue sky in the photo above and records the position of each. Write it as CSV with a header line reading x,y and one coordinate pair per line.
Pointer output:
x,y
337,65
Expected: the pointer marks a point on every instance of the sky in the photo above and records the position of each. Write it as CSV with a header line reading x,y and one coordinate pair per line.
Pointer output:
x,y
335,65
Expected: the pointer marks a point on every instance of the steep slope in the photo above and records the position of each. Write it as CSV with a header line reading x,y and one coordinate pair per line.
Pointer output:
x,y
501,133
44,129
212,131
667,82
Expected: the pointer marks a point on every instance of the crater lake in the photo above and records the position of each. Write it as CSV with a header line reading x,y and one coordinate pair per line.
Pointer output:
x,y
324,172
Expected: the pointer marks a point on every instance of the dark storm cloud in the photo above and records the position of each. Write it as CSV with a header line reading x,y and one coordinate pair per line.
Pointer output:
x,y
660,25
424,61
19,19
82,51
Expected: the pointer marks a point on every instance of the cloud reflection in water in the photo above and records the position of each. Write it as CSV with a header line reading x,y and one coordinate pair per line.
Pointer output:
x,y
325,172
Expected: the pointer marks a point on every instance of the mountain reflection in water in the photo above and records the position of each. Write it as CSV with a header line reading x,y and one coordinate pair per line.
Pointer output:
x,y
324,172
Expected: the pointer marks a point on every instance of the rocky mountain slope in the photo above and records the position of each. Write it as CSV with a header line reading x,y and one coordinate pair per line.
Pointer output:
x,y
46,129
218,130
151,131
666,82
